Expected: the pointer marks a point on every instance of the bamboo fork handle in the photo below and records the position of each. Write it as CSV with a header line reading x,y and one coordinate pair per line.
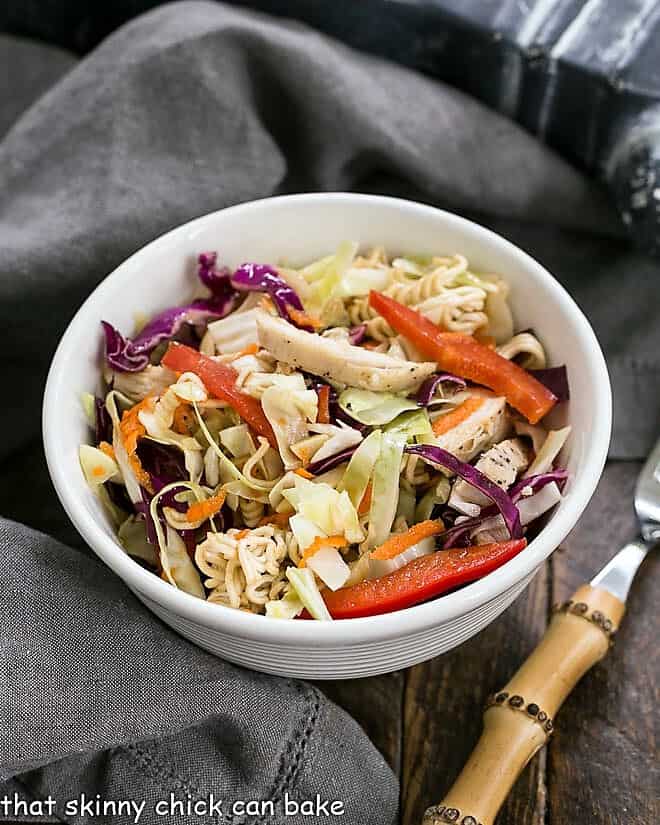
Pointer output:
x,y
518,720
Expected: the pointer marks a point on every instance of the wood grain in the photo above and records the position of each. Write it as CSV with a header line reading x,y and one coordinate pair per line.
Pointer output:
x,y
603,761
443,710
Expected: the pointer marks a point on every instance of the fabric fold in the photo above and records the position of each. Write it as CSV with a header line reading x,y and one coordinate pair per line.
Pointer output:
x,y
99,697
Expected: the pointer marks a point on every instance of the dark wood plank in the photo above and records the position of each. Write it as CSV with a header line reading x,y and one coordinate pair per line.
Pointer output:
x,y
603,763
443,704
376,704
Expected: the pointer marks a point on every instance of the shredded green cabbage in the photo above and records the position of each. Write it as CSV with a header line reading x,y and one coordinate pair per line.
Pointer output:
x,y
97,466
374,408
330,510
385,495
87,402
412,424
304,584
360,468
287,607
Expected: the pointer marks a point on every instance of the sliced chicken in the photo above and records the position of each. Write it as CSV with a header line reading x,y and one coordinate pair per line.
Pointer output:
x,y
487,425
338,360
502,464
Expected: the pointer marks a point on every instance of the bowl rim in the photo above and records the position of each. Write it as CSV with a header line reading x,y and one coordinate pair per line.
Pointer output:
x,y
361,630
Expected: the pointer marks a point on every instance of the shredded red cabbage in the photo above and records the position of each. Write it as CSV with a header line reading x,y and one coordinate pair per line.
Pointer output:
x,y
217,280
263,278
537,482
119,352
477,479
460,533
336,412
555,379
427,390
165,463
132,355
102,422
332,461
356,334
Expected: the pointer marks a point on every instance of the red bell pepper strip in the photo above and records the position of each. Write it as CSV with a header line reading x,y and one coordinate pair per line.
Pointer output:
x,y
464,356
420,580
220,380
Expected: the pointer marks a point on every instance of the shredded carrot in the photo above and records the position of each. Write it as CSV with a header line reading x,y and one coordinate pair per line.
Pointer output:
x,y
318,544
365,502
201,510
251,349
370,345
183,419
98,471
106,448
277,519
457,416
398,543
241,534
323,393
300,471
302,319
132,430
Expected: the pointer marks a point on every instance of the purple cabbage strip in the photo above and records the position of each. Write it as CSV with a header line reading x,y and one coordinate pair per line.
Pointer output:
x,y
165,463
217,280
460,533
102,422
263,278
132,355
537,482
477,479
119,352
143,508
426,391
555,379
332,461
356,334
336,412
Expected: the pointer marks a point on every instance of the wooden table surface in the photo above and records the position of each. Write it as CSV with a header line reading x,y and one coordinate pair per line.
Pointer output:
x,y
601,766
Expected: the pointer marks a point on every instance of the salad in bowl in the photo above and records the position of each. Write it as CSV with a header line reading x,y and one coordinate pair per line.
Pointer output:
x,y
343,439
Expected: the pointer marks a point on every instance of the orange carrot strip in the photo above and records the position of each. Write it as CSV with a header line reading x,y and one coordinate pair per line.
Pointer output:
x,y
201,510
251,349
457,416
241,534
302,319
402,541
323,393
318,544
300,471
183,418
106,448
365,502
277,519
131,430
97,471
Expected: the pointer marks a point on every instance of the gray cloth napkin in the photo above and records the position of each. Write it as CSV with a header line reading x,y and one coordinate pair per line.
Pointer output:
x,y
190,108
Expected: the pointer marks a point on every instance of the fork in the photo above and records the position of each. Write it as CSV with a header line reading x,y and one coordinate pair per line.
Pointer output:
x,y
519,719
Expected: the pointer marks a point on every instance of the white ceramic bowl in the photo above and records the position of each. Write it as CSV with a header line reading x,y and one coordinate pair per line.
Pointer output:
x,y
301,228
